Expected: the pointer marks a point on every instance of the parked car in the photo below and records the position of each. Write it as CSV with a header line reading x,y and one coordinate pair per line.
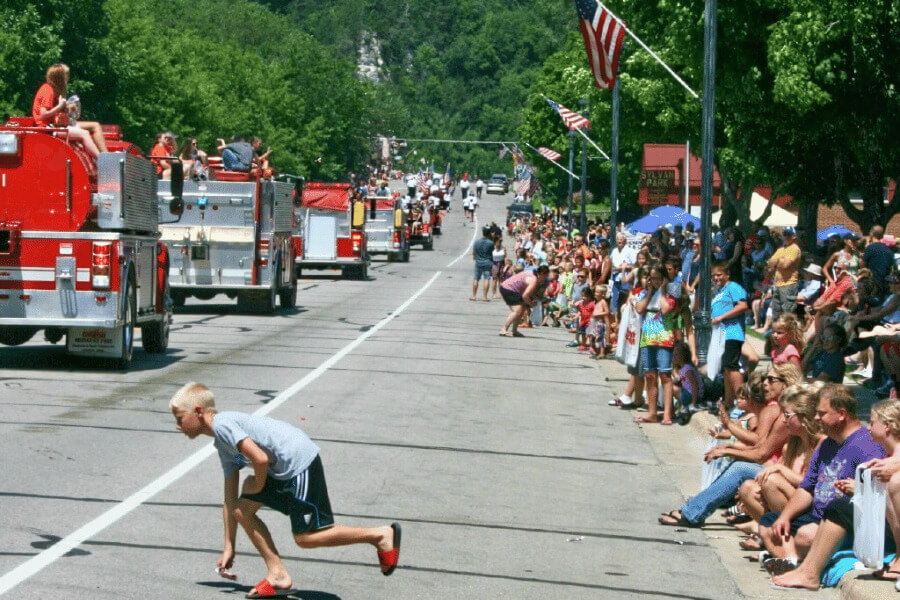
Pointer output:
x,y
498,184
518,209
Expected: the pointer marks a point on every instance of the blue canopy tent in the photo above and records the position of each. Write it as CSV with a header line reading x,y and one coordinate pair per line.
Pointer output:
x,y
662,216
840,230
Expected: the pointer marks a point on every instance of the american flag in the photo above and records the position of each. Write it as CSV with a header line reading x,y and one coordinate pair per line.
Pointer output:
x,y
603,34
423,182
572,120
447,175
548,153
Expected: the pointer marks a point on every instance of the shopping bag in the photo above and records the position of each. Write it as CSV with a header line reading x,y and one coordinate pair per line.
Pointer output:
x,y
537,314
869,502
716,349
628,347
711,470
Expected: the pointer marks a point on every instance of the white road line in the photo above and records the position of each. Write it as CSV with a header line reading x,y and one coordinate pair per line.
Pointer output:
x,y
35,564
466,251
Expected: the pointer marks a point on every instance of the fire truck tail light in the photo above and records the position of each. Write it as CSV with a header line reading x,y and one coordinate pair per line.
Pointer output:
x,y
396,239
356,239
101,255
9,144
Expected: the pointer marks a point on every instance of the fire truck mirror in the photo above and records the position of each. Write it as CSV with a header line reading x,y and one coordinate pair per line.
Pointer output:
x,y
372,205
177,184
359,214
298,192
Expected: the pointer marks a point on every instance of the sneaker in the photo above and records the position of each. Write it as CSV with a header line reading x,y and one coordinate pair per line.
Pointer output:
x,y
886,390
863,372
780,566
572,345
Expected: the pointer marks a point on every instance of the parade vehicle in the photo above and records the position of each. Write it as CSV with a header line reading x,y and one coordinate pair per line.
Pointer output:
x,y
421,220
518,209
386,229
234,238
498,184
80,256
330,230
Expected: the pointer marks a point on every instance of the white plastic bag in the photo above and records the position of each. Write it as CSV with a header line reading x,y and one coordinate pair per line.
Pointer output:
x,y
716,349
537,314
628,345
869,502
711,470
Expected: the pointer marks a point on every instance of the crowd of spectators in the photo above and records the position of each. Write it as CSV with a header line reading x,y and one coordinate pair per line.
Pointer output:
x,y
784,454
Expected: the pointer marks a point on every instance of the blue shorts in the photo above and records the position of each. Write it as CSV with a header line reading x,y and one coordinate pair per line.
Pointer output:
x,y
656,358
768,519
482,272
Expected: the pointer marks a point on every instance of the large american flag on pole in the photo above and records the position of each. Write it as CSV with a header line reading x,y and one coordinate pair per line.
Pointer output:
x,y
572,120
550,154
603,34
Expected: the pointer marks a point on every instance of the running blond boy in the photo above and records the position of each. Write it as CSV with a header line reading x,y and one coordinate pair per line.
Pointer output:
x,y
287,477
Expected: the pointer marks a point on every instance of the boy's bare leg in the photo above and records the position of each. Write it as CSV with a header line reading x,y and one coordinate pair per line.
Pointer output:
x,y
829,536
259,535
342,535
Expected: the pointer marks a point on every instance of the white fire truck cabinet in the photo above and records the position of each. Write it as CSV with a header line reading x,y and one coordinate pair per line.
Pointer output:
x,y
79,250
233,238
386,230
331,231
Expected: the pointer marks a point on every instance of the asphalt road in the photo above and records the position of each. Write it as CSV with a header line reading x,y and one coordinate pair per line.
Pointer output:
x,y
510,474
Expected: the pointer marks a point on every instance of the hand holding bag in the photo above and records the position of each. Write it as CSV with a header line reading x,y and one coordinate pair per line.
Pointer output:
x,y
869,505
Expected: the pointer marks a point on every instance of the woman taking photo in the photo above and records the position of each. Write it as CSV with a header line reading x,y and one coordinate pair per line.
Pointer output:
x,y
657,338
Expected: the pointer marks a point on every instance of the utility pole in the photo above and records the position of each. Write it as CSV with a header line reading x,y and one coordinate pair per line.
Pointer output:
x,y
687,176
571,166
614,173
584,113
702,320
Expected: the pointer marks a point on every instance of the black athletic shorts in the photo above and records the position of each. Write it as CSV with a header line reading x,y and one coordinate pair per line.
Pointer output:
x,y
768,519
511,298
731,358
304,498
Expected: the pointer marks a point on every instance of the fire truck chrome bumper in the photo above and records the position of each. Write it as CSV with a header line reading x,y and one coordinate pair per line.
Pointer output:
x,y
215,286
105,323
328,263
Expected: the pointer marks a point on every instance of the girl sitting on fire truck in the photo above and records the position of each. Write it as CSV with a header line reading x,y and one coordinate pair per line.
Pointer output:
x,y
50,107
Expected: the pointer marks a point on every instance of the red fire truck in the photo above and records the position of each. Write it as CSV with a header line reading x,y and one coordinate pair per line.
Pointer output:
x,y
79,249
330,231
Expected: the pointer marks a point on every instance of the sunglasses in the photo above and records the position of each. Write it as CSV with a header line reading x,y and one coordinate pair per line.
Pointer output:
x,y
788,415
772,379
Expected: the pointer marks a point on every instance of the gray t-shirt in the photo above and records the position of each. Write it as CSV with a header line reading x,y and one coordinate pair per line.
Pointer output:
x,y
484,252
289,449
244,153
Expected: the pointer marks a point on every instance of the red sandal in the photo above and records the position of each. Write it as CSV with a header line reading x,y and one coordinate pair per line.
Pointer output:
x,y
390,558
264,589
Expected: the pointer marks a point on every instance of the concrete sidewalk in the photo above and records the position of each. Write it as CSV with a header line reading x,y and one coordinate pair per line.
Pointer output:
x,y
680,451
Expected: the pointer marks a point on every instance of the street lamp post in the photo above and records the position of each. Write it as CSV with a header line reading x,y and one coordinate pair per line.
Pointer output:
x,y
614,172
571,166
584,104
702,321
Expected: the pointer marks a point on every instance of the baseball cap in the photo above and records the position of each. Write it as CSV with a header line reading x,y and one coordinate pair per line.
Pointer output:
x,y
788,231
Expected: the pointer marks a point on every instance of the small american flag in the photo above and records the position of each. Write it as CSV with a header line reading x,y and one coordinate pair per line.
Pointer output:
x,y
572,120
423,182
603,34
548,153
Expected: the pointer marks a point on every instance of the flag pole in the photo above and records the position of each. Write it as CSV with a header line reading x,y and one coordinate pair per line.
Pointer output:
x,y
553,161
658,59
578,129
584,135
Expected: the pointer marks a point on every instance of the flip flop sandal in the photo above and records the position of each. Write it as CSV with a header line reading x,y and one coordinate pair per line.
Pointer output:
x,y
678,521
264,589
886,575
738,519
389,558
